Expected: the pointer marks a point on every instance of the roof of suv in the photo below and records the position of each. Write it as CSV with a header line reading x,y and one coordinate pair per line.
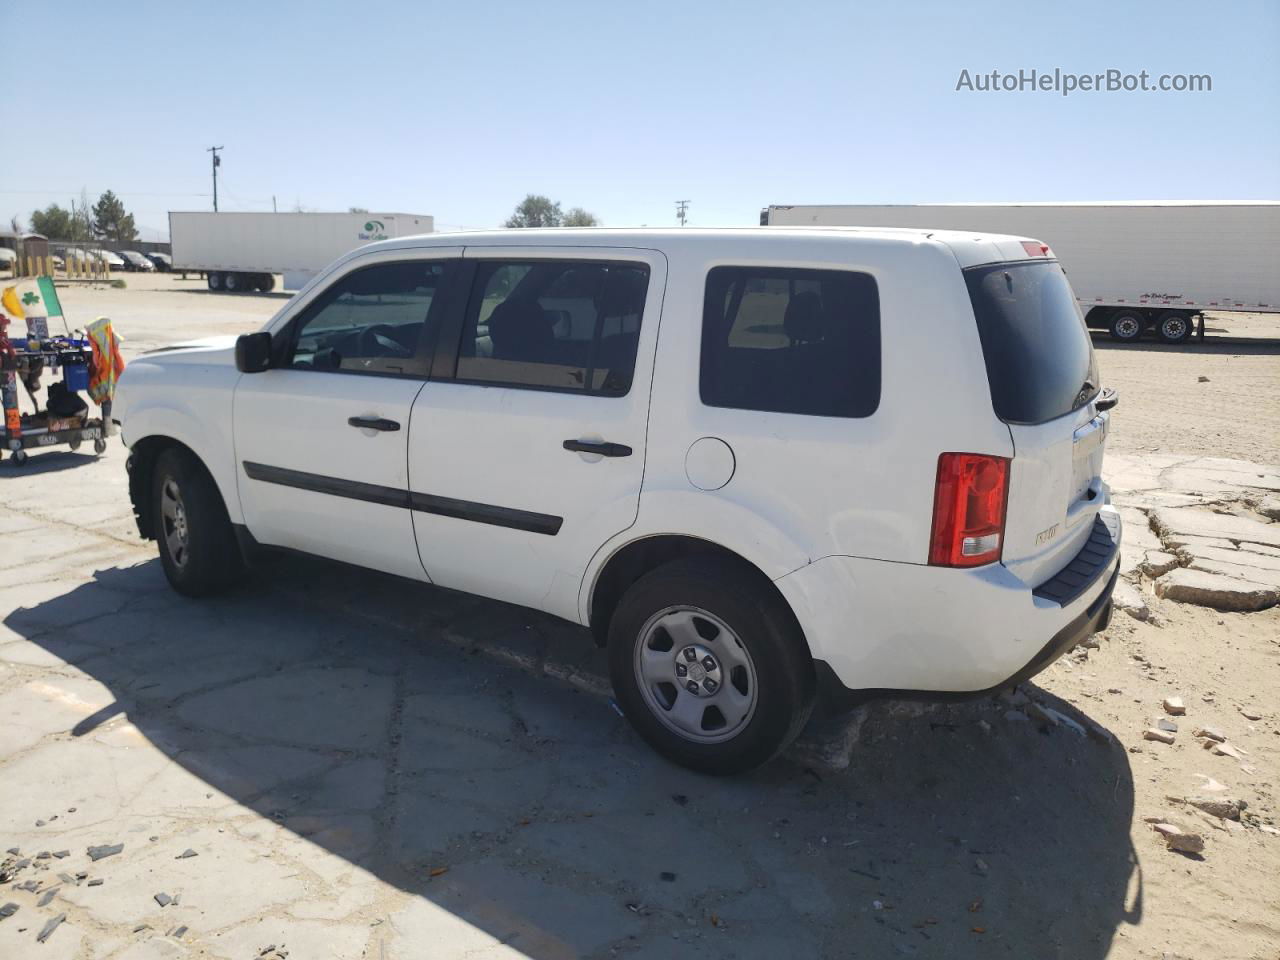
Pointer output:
x,y
970,248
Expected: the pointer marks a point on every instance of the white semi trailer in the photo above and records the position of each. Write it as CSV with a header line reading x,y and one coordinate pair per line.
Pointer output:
x,y
1135,267
243,251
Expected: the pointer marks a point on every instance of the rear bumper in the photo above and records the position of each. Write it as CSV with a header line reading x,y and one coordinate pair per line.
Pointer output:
x,y
893,629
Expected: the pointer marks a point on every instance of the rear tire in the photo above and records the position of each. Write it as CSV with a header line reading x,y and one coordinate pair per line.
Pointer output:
x,y
215,280
198,548
266,282
233,282
705,621
1174,327
1127,325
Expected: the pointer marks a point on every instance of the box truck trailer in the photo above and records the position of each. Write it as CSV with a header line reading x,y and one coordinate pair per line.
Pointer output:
x,y
1135,267
244,251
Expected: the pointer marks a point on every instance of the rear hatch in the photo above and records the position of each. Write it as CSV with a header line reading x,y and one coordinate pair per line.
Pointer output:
x,y
1044,383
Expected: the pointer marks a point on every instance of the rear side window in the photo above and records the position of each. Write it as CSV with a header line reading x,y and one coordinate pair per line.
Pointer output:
x,y
791,341
554,324
1039,357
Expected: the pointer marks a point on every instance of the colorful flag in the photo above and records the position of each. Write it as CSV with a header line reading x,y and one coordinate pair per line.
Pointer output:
x,y
33,297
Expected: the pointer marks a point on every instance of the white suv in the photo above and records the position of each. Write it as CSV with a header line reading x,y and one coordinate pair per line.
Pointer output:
x,y
760,465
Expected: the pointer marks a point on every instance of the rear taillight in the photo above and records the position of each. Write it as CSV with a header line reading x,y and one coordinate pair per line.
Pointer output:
x,y
968,509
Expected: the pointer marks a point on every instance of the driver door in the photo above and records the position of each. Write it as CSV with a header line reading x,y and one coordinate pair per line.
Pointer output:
x,y
321,438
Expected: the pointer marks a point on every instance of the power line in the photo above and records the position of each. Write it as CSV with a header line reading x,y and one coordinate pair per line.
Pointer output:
x,y
682,208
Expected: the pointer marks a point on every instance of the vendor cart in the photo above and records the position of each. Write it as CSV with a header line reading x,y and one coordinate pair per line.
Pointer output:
x,y
67,358
61,366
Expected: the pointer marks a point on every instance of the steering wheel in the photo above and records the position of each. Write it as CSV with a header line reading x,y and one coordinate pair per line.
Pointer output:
x,y
378,341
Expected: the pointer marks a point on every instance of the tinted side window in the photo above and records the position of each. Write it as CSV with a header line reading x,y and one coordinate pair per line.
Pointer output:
x,y
370,321
791,341
566,325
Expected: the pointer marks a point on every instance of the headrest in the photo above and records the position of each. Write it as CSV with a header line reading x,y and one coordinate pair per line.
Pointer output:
x,y
623,292
805,320
517,325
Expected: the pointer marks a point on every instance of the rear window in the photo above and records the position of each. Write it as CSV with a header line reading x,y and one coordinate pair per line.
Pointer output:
x,y
1040,361
791,341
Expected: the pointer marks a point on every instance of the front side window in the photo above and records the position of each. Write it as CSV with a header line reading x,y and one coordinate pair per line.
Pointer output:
x,y
372,320
554,324
791,341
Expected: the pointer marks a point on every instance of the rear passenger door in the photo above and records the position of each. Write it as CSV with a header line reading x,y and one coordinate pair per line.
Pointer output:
x,y
527,446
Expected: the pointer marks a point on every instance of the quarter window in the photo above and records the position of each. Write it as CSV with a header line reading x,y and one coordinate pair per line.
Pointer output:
x,y
372,320
791,341
554,324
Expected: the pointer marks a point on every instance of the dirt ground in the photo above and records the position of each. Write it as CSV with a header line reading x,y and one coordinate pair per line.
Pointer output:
x,y
1220,398
445,804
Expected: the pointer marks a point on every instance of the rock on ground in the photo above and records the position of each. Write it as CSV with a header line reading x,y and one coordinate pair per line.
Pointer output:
x,y
1129,598
1216,590
1205,523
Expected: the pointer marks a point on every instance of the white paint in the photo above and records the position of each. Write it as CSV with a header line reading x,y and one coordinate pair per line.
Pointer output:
x,y
709,464
837,511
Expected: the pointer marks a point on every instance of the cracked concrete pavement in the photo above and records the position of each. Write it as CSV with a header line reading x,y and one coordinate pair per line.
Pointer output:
x,y
355,783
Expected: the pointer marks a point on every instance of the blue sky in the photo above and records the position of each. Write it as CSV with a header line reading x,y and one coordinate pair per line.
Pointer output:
x,y
458,110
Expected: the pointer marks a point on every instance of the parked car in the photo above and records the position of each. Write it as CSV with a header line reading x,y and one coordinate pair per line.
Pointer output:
x,y
110,258
161,261
75,256
855,463
136,262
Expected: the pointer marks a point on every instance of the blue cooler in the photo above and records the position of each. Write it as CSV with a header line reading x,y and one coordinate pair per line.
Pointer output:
x,y
76,376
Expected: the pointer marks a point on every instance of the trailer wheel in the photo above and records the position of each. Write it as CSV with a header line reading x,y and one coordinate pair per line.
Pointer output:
x,y
1174,327
233,283
266,283
1127,325
215,280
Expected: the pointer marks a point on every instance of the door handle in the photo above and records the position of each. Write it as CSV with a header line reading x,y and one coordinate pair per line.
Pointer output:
x,y
373,423
602,448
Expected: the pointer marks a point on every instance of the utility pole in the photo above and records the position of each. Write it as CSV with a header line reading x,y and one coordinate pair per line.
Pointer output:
x,y
217,162
682,208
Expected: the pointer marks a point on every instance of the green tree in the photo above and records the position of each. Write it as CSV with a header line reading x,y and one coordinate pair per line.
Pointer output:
x,y
53,222
536,210
577,217
111,221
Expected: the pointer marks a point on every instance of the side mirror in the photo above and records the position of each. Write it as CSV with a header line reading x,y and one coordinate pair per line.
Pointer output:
x,y
253,352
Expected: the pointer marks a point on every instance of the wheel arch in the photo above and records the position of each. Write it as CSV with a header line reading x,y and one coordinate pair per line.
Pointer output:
x,y
634,559
143,454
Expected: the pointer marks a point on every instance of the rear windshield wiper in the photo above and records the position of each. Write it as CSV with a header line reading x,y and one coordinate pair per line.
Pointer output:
x,y
1087,391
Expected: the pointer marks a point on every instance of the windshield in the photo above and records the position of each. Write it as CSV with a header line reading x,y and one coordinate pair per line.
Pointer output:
x,y
1039,357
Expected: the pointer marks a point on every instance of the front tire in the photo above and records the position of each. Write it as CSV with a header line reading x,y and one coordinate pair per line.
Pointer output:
x,y
198,548
710,668
1127,326
214,279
